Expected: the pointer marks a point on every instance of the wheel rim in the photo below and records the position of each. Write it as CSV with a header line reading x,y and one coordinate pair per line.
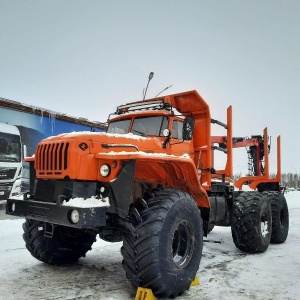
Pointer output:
x,y
264,225
183,244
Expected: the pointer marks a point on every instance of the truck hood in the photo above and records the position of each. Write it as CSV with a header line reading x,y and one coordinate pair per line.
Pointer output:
x,y
98,142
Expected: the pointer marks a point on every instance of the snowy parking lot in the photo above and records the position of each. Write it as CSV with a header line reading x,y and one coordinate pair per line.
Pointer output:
x,y
224,273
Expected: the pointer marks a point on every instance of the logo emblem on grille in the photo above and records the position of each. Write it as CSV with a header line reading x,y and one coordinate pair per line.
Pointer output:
x,y
83,146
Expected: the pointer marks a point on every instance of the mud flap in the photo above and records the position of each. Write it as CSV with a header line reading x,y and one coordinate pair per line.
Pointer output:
x,y
122,188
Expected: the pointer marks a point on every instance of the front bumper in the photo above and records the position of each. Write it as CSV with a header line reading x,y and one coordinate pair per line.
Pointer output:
x,y
89,217
5,191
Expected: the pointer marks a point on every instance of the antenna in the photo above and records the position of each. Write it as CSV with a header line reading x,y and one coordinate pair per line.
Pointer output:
x,y
163,90
149,78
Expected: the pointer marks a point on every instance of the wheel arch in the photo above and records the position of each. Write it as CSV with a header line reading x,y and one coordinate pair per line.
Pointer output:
x,y
155,170
176,172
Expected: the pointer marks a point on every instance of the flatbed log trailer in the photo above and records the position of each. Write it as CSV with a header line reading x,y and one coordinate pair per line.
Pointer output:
x,y
150,181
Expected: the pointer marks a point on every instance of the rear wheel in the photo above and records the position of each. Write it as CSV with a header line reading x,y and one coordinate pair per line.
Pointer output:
x,y
163,249
65,245
280,217
252,222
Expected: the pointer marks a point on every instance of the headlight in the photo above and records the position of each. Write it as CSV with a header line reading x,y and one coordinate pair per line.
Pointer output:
x,y
105,170
74,216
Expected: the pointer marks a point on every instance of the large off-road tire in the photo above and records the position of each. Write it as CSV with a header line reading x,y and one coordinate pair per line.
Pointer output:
x,y
251,222
163,249
66,245
280,217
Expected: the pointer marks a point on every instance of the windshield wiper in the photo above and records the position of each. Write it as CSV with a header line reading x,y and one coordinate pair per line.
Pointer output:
x,y
139,132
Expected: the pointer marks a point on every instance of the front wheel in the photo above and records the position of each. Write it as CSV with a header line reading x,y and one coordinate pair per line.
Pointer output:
x,y
64,245
163,249
251,222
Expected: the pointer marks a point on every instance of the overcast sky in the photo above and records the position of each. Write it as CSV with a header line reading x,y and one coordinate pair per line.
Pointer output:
x,y
84,58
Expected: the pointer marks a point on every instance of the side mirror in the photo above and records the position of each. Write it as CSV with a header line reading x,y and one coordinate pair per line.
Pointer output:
x,y
167,135
188,129
166,132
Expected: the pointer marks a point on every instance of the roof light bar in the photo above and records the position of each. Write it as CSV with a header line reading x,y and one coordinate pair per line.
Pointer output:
x,y
143,105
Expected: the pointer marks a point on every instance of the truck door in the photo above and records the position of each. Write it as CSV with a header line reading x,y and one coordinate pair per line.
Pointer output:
x,y
178,146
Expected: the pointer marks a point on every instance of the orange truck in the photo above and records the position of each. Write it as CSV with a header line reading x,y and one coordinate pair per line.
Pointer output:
x,y
150,182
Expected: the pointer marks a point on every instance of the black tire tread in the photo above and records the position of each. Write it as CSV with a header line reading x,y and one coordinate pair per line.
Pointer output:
x,y
279,230
141,255
54,250
245,232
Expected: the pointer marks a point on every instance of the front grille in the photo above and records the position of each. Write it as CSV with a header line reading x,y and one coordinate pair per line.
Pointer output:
x,y
7,173
52,158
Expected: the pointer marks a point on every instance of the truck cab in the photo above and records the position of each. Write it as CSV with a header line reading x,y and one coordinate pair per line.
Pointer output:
x,y
11,156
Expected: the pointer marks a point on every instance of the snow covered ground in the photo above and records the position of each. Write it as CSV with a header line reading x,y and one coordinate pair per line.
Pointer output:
x,y
224,273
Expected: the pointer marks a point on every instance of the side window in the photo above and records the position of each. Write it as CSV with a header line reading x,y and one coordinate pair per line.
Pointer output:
x,y
177,130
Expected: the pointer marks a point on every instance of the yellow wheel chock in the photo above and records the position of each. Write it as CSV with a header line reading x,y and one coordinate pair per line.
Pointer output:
x,y
195,281
144,294
147,294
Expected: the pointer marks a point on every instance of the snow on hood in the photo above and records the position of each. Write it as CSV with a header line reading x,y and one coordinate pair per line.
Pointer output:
x,y
162,155
115,135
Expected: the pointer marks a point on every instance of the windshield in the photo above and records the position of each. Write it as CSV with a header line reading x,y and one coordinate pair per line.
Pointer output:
x,y
120,127
144,126
150,126
10,147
